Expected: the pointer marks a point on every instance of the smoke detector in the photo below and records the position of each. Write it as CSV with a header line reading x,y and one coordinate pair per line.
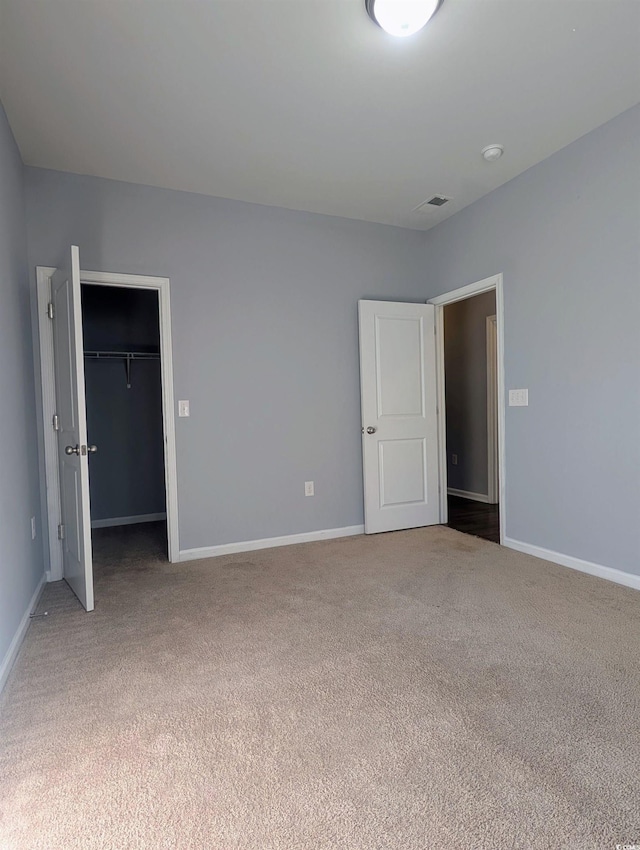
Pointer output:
x,y
435,201
492,152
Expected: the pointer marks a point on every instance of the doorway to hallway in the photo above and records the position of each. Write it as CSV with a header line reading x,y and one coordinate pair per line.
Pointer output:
x,y
470,368
469,332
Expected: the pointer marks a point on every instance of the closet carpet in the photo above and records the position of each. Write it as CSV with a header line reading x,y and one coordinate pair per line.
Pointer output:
x,y
422,690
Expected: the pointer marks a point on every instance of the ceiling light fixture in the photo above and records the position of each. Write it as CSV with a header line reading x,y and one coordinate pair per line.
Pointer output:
x,y
401,17
492,152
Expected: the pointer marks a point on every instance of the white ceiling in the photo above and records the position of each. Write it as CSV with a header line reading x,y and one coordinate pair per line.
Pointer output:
x,y
307,104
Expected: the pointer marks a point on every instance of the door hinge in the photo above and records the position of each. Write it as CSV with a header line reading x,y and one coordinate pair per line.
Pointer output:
x,y
50,309
56,422
61,531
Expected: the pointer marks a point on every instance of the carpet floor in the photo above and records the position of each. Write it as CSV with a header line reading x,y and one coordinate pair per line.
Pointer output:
x,y
422,690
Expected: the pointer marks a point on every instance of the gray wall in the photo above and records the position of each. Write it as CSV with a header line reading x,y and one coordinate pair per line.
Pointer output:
x,y
465,357
265,340
127,472
566,235
21,561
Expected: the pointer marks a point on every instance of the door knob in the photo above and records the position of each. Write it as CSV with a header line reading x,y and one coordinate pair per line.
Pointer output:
x,y
72,450
92,449
371,430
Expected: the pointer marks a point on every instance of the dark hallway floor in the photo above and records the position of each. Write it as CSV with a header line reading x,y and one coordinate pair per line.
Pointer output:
x,y
475,518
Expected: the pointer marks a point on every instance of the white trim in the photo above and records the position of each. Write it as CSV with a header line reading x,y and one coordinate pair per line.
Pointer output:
x,y
467,494
608,573
51,483
493,488
127,520
16,643
128,281
162,286
442,420
464,292
502,467
45,332
490,283
270,542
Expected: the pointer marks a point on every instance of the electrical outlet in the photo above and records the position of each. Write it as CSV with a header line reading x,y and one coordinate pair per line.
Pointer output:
x,y
183,408
308,488
454,460
33,528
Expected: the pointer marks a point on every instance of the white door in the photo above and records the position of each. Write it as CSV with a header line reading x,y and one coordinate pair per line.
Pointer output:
x,y
73,454
399,422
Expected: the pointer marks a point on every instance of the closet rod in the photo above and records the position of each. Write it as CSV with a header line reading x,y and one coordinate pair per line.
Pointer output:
x,y
127,356
116,355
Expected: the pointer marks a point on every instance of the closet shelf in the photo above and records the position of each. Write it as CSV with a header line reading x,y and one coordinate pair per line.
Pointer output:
x,y
127,356
116,355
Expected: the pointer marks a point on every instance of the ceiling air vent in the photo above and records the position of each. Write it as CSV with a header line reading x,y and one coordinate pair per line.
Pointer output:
x,y
436,201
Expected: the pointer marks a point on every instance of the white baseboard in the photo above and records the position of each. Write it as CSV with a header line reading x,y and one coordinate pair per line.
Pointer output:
x,y
16,643
269,542
609,573
467,494
126,520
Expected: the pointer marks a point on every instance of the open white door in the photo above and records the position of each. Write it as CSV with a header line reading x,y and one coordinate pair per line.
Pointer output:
x,y
73,452
399,421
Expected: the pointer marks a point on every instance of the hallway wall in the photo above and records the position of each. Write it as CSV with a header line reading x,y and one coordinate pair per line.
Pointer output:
x,y
465,355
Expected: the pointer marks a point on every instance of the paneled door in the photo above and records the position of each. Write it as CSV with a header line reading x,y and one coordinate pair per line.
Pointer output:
x,y
399,421
71,420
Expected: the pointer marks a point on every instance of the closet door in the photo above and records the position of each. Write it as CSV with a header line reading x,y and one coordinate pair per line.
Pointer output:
x,y
73,451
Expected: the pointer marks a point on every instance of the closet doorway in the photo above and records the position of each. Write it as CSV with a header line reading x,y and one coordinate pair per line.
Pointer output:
x,y
123,397
122,339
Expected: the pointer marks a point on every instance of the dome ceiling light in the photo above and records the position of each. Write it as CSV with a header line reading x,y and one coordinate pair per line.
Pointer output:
x,y
401,17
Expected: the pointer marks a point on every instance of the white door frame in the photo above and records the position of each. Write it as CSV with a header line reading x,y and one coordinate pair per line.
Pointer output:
x,y
489,284
493,486
44,331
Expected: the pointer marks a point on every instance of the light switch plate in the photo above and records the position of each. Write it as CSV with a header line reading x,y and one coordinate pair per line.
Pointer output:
x,y
518,398
183,408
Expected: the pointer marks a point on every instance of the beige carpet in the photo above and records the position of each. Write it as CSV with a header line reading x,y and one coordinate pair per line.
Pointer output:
x,y
422,689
